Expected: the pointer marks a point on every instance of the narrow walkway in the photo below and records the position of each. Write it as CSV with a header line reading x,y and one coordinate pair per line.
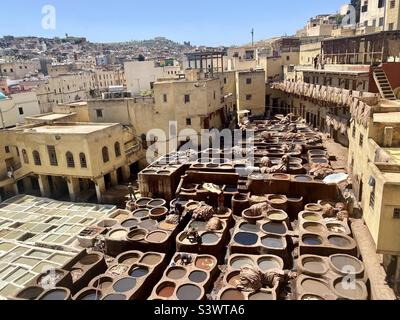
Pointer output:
x,y
380,289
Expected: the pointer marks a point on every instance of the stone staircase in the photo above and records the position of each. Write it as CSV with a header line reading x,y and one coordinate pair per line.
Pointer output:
x,y
383,84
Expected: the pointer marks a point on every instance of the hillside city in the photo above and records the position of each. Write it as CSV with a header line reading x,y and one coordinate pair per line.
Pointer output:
x,y
110,189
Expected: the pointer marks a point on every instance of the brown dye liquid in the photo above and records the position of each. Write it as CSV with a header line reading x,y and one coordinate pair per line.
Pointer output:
x,y
176,274
234,281
263,296
232,295
314,286
166,292
205,263
157,237
314,228
151,259
314,266
129,259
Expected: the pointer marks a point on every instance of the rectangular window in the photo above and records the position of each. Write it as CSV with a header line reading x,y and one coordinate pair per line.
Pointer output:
x,y
165,98
381,22
7,149
52,155
372,199
225,81
381,3
391,27
396,213
188,122
21,110
99,113
392,4
187,98
361,140
248,97
354,130
248,81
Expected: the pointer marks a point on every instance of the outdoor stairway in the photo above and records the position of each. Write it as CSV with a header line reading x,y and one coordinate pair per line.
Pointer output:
x,y
383,84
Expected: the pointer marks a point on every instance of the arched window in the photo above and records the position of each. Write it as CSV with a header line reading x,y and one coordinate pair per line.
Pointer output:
x,y
36,158
105,154
117,148
70,160
82,158
25,156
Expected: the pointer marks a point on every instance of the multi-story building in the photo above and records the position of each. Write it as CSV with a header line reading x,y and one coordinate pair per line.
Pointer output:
x,y
382,14
141,75
251,91
45,158
18,69
14,108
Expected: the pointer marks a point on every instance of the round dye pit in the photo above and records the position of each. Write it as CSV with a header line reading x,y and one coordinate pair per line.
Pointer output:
x,y
199,225
124,285
239,262
336,228
314,265
280,176
273,242
234,278
351,289
209,238
166,290
115,297
156,203
311,297
130,223
313,227
346,264
309,216
277,200
247,227
90,295
158,213
118,235
246,239
339,241
314,207
141,213
188,292
312,240
315,286
129,258
151,259
30,293
274,227
262,296
103,283
269,263
176,273
157,237
277,215
303,178
137,235
232,295
55,295
205,263
139,272
148,225
89,259
198,276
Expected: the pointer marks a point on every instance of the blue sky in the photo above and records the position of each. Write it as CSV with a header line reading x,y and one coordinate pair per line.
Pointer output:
x,y
208,22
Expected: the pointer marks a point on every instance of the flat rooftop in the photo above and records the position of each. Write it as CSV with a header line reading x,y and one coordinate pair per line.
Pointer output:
x,y
387,117
51,116
394,153
74,128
